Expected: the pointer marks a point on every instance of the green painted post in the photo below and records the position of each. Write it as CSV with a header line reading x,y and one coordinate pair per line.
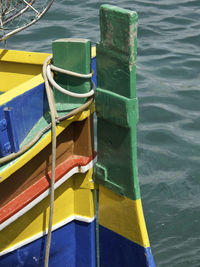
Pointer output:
x,y
116,101
74,55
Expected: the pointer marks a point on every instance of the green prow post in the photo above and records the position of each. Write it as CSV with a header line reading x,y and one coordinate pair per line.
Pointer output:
x,y
74,55
123,238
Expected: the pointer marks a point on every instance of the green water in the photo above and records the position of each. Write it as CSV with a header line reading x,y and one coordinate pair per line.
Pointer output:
x,y
168,88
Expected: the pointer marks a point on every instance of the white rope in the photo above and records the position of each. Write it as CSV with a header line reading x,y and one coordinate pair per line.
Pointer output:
x,y
48,78
71,73
53,161
53,107
66,92
54,119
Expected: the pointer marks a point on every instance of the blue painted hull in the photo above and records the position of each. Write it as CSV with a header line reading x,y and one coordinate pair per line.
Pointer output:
x,y
72,245
127,253
27,109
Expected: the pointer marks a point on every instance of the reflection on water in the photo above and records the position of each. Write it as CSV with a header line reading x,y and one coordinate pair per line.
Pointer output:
x,y
168,88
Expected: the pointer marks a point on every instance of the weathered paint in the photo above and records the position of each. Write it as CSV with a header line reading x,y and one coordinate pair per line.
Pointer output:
x,y
123,238
117,50
116,102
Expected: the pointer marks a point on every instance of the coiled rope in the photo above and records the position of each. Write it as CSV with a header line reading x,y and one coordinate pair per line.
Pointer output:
x,y
47,67
83,107
48,78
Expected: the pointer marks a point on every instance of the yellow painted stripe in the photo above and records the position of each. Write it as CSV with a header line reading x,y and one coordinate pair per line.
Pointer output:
x,y
22,88
31,58
17,67
42,143
15,74
93,51
123,216
24,57
70,200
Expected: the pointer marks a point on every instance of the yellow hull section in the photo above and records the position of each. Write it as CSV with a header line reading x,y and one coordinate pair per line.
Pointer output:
x,y
75,198
123,216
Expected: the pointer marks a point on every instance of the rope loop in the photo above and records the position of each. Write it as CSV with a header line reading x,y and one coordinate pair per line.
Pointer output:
x,y
49,66
55,119
72,73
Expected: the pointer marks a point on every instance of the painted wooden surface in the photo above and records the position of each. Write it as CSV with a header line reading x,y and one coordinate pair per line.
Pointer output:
x,y
33,224
28,104
25,111
123,238
116,101
24,187
73,244
8,169
17,67
65,53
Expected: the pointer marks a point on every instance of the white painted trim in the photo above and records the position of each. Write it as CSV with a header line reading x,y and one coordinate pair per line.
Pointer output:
x,y
77,169
55,227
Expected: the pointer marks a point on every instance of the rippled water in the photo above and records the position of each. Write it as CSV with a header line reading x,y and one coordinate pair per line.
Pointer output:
x,y
168,87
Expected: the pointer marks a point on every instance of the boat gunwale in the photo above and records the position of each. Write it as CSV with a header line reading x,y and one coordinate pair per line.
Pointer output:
x,y
40,189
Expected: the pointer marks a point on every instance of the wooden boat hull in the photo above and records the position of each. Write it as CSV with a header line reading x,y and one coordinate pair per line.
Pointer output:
x,y
97,223
24,201
73,226
122,230
68,248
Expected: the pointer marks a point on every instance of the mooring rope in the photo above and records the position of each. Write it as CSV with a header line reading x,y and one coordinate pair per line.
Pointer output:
x,y
34,140
49,79
54,120
53,161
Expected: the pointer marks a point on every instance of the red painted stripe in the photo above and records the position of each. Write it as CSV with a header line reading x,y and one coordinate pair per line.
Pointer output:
x,y
41,186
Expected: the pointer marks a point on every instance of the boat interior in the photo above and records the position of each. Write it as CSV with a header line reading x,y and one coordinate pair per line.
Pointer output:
x,y
18,67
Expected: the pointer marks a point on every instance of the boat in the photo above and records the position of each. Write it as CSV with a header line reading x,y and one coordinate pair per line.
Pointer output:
x,y
61,202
